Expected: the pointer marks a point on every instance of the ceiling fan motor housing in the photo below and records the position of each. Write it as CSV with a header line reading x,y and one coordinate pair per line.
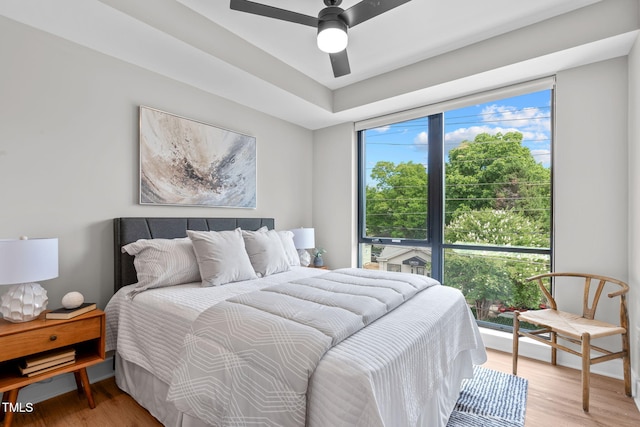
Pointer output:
x,y
329,19
331,13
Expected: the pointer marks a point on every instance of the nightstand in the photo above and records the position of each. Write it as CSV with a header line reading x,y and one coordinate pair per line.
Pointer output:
x,y
85,333
324,267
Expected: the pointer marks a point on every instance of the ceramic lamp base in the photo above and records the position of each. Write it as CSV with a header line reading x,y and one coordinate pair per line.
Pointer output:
x,y
305,257
22,303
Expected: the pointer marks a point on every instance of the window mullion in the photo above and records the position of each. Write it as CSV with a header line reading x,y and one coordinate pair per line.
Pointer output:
x,y
436,193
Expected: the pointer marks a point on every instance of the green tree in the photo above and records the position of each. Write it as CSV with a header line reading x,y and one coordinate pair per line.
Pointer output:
x,y
496,194
397,201
495,227
489,277
482,279
497,172
486,278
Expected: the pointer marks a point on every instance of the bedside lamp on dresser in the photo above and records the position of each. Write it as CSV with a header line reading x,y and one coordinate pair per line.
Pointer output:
x,y
303,239
32,347
22,262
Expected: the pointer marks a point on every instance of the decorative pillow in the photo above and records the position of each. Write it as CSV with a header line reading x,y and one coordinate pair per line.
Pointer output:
x,y
221,256
162,262
265,251
286,238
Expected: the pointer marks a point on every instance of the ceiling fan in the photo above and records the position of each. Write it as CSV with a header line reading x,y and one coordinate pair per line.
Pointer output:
x,y
332,23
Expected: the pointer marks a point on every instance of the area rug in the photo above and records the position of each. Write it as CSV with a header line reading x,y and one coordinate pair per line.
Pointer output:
x,y
490,399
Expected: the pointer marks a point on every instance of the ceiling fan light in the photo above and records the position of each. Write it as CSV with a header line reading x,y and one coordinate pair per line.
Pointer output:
x,y
332,36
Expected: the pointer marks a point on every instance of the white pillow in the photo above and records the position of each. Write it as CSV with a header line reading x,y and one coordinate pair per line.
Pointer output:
x,y
162,262
265,251
221,256
286,238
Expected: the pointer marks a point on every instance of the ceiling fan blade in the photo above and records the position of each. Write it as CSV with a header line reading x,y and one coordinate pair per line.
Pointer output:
x,y
340,63
368,9
273,12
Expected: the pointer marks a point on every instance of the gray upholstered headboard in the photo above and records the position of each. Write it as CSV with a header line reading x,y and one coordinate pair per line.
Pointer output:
x,y
127,230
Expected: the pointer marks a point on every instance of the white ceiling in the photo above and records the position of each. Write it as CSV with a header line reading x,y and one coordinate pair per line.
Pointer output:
x,y
275,66
409,33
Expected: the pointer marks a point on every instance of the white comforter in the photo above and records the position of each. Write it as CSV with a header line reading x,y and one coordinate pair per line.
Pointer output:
x,y
379,376
248,360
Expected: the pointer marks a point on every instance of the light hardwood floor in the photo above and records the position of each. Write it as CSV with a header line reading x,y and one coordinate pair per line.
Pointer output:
x,y
554,396
554,399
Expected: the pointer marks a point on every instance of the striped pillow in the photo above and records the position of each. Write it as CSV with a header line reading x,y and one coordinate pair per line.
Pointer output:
x,y
163,262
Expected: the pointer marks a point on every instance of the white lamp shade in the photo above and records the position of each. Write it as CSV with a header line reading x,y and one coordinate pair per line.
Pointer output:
x,y
304,238
30,260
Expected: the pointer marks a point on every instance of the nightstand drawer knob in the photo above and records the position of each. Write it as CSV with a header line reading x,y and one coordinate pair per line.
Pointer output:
x,y
53,337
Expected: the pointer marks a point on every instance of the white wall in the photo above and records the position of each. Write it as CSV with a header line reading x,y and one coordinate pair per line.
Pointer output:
x,y
590,183
334,192
69,152
634,213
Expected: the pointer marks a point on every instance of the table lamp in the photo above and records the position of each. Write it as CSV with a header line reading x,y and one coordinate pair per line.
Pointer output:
x,y
303,239
22,262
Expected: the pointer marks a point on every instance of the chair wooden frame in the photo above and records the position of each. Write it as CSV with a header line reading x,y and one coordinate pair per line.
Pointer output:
x,y
578,329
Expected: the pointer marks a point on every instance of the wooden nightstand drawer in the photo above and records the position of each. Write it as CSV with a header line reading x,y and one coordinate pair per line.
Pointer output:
x,y
85,333
59,334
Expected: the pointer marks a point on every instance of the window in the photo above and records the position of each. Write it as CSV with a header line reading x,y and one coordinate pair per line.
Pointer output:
x,y
395,180
463,194
395,207
394,267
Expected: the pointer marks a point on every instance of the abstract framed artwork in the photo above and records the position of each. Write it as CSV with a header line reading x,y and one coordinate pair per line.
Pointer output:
x,y
189,163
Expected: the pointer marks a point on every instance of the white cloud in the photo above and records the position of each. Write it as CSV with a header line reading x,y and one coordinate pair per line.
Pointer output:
x,y
542,156
421,138
452,139
382,129
421,141
533,123
532,118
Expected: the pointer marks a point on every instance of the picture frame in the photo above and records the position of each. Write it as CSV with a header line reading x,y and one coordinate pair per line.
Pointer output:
x,y
189,163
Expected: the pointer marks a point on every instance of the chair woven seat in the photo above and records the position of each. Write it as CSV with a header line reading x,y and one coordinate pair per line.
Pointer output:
x,y
577,329
570,324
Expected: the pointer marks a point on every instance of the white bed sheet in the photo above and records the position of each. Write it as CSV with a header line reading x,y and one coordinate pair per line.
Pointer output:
x,y
351,386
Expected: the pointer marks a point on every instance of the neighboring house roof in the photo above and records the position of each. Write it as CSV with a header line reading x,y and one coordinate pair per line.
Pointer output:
x,y
400,254
415,261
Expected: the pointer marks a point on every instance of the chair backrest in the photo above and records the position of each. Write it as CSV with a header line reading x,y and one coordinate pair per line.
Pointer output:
x,y
589,306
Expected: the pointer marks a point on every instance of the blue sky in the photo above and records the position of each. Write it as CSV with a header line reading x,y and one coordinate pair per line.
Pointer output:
x,y
529,114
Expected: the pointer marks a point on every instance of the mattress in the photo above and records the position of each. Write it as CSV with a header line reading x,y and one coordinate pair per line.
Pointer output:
x,y
402,370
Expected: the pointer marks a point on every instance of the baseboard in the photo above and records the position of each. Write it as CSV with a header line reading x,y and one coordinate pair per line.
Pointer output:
x,y
64,383
503,341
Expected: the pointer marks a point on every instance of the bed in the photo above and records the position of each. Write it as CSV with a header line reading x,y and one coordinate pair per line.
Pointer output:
x,y
404,368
